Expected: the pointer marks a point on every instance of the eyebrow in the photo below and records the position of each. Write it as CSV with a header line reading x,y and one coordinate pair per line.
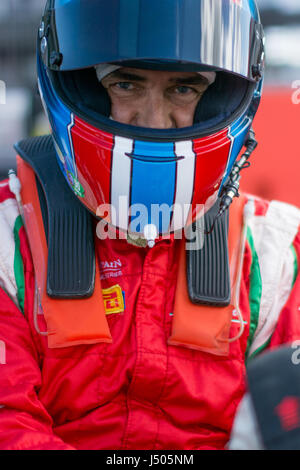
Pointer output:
x,y
195,80
127,76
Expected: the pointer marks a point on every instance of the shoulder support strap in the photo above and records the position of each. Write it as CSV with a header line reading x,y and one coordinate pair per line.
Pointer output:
x,y
69,322
68,225
207,327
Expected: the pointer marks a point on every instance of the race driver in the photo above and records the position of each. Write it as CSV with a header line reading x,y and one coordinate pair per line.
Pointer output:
x,y
116,331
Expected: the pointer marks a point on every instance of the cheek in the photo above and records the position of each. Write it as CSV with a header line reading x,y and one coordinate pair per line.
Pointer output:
x,y
184,115
121,110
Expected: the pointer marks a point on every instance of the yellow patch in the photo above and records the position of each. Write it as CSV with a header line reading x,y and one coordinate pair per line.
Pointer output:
x,y
113,299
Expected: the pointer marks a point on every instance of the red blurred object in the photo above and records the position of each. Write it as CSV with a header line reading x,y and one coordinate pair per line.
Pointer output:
x,y
275,169
288,411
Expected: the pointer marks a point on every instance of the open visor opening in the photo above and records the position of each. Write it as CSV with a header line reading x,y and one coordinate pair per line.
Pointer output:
x,y
223,102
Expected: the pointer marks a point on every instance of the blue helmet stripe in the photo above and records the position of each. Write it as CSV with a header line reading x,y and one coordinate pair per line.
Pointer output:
x,y
237,133
253,9
61,121
150,179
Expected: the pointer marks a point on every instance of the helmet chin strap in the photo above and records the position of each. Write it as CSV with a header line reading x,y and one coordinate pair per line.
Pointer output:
x,y
231,188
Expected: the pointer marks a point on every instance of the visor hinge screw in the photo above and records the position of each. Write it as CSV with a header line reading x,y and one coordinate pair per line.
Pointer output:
x,y
56,58
44,44
257,71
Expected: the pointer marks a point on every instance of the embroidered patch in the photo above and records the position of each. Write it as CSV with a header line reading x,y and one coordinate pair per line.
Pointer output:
x,y
113,299
110,269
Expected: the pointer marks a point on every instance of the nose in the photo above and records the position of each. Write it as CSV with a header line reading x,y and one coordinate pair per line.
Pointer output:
x,y
156,112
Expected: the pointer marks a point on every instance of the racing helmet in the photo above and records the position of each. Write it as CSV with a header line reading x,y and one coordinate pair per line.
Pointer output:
x,y
114,167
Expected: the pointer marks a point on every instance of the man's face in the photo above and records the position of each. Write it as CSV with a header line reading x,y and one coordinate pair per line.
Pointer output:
x,y
154,99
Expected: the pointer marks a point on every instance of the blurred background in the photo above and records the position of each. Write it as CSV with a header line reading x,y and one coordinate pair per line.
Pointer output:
x,y
275,169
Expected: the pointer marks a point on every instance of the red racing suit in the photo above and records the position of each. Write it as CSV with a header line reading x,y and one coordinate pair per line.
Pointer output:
x,y
139,392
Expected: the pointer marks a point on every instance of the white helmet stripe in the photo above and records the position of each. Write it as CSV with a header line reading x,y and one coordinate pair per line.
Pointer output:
x,y
184,182
120,182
